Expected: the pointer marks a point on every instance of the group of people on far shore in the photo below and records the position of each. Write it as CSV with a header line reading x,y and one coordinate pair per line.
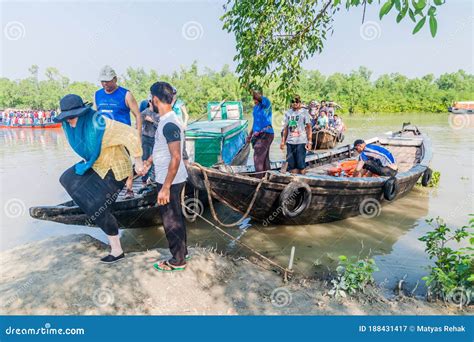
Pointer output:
x,y
12,117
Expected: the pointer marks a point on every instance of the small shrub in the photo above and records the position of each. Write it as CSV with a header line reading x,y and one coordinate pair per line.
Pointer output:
x,y
353,276
452,276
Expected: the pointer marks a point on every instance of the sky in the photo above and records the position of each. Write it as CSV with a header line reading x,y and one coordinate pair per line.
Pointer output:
x,y
79,37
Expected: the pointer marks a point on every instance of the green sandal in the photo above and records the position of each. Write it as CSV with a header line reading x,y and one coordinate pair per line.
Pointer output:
x,y
165,266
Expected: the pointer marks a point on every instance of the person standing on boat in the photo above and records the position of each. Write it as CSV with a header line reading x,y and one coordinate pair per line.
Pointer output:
x,y
170,174
95,182
261,135
297,136
375,159
115,102
323,107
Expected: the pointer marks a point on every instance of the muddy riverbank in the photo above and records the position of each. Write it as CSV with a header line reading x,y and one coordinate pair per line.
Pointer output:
x,y
62,276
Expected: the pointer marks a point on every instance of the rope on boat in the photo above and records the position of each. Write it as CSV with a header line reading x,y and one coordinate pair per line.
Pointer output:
x,y
283,269
211,205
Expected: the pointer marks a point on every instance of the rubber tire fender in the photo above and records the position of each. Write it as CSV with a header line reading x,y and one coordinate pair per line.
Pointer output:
x,y
289,192
390,188
426,178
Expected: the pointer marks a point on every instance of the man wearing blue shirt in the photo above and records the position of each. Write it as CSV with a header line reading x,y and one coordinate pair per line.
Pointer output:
x,y
374,158
261,135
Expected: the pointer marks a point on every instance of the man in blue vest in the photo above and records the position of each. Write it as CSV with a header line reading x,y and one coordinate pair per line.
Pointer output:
x,y
116,102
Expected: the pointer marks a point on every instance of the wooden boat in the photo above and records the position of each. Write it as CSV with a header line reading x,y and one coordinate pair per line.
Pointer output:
x,y
283,198
324,139
131,213
462,107
32,126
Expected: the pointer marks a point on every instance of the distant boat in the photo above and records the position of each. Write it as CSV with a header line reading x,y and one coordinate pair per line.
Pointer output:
x,y
462,107
324,139
32,126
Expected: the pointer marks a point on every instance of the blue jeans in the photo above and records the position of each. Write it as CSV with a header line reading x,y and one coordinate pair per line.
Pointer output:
x,y
147,147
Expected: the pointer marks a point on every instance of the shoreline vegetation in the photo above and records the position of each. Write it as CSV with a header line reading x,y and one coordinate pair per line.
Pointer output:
x,y
67,280
357,92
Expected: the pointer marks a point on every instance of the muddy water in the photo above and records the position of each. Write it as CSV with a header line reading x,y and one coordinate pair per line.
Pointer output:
x,y
32,161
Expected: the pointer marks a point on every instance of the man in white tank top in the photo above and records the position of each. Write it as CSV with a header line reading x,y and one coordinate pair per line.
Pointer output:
x,y
170,174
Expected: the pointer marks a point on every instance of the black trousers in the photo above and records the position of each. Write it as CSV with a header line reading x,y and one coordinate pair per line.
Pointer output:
x,y
375,166
94,196
174,224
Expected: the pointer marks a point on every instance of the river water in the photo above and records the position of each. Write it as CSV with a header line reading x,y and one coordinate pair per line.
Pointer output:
x,y
33,160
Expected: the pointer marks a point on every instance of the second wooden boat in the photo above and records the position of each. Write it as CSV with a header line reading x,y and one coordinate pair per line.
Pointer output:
x,y
283,198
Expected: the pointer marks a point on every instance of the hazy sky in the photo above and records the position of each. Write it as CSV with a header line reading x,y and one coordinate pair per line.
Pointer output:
x,y
80,37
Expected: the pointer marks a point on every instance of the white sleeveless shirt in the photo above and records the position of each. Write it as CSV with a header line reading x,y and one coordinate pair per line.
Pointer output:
x,y
169,129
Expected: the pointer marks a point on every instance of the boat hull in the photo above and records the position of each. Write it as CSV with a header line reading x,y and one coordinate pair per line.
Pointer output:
x,y
332,198
324,139
133,213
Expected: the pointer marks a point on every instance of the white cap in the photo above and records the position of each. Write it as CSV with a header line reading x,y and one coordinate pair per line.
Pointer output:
x,y
107,74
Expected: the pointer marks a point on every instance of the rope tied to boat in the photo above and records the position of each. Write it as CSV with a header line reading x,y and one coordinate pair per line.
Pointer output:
x,y
285,270
211,193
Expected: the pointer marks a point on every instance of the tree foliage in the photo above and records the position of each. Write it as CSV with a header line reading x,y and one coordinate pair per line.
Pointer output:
x,y
274,37
357,91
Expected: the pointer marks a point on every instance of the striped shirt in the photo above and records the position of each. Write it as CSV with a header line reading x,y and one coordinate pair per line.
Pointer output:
x,y
377,152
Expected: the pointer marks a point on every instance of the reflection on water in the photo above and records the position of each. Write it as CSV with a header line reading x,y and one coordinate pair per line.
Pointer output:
x,y
33,160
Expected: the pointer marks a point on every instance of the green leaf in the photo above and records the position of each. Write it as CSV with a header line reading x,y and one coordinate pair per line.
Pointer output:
x,y
433,25
420,4
438,2
432,11
386,8
412,15
419,25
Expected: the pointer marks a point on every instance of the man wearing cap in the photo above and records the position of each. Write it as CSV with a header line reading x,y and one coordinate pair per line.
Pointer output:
x,y
115,102
374,158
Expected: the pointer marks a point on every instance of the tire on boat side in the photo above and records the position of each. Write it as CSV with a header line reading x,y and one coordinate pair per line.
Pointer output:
x,y
426,178
390,188
298,192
